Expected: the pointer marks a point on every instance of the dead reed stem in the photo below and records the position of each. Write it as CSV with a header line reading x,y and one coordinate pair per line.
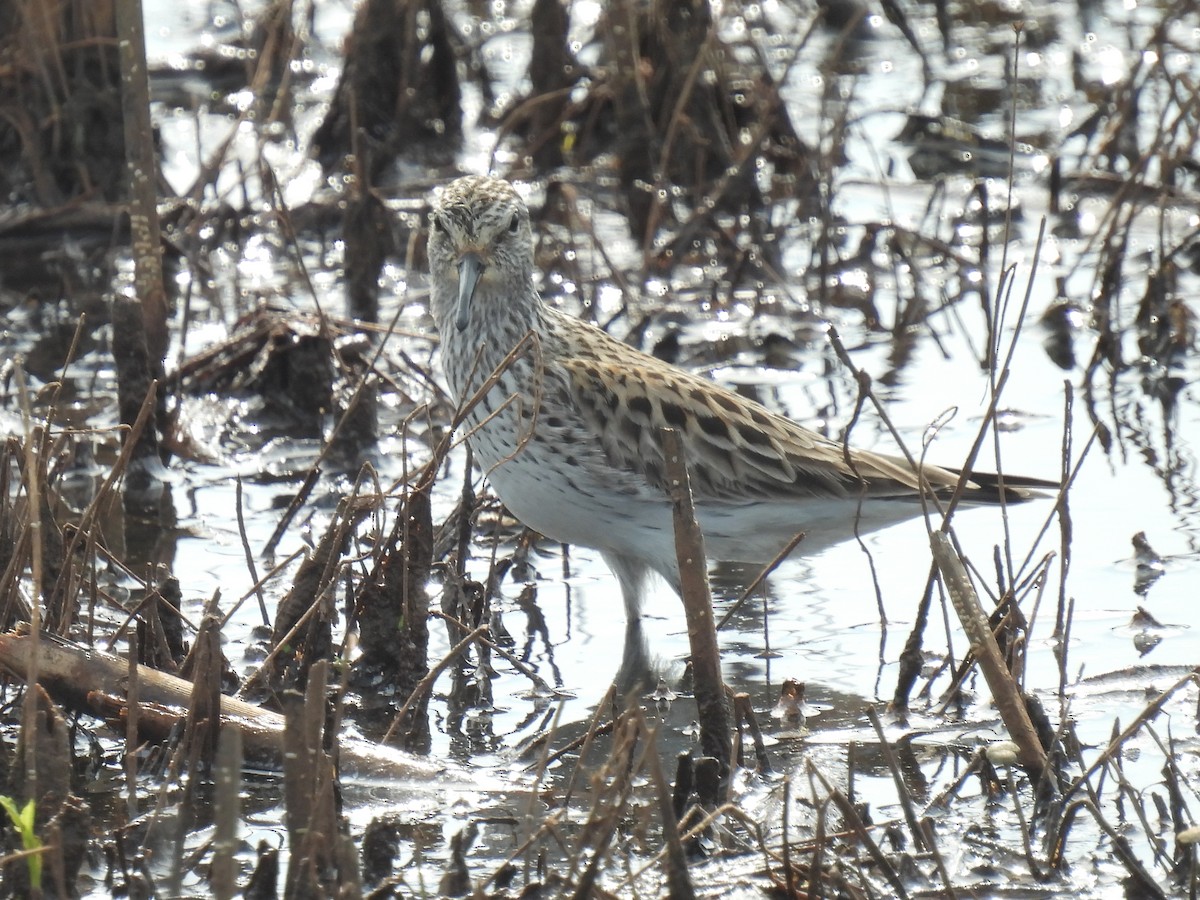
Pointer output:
x,y
143,178
33,492
711,704
679,884
979,632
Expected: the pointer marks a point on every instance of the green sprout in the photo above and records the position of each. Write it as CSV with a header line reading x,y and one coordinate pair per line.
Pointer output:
x,y
23,820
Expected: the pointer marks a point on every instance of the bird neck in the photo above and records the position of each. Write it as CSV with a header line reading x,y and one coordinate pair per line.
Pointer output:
x,y
499,319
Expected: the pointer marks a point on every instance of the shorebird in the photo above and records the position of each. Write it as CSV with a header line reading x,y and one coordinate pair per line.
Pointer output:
x,y
569,432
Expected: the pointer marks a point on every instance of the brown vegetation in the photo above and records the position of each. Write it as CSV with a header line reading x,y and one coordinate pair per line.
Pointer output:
x,y
681,127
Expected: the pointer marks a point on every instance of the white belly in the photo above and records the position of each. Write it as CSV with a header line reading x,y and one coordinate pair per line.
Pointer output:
x,y
571,504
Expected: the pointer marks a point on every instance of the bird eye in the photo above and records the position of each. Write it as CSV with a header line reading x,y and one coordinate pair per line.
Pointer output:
x,y
515,225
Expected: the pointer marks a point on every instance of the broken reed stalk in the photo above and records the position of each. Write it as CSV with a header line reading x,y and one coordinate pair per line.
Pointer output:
x,y
136,387
1005,692
308,786
584,743
762,576
427,682
744,710
539,683
1140,884
1153,708
902,792
143,175
697,604
33,487
145,239
679,883
202,726
854,825
611,785
228,779
249,554
133,709
261,583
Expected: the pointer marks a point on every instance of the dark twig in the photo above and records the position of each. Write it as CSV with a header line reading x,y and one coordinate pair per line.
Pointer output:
x,y
241,521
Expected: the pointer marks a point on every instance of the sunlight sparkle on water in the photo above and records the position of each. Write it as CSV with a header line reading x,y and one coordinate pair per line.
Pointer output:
x,y
242,101
1111,61
586,13
259,261
608,298
656,287
855,278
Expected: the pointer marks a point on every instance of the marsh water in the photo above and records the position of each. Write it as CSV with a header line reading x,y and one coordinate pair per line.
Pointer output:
x,y
837,618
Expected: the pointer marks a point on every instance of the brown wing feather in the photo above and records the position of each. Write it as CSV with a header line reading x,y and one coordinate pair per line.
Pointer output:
x,y
738,449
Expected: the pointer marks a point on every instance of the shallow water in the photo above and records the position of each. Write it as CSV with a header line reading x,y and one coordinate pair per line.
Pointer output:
x,y
819,615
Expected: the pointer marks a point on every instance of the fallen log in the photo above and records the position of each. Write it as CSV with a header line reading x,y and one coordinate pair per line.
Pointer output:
x,y
95,682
